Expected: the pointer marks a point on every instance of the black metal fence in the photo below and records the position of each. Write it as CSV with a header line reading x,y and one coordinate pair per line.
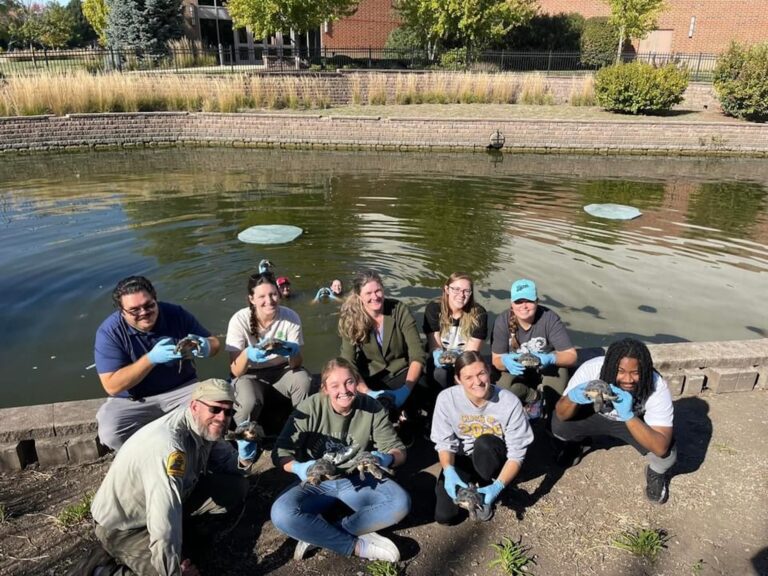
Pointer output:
x,y
283,59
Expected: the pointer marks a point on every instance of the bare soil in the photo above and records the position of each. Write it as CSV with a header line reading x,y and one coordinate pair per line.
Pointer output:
x,y
717,514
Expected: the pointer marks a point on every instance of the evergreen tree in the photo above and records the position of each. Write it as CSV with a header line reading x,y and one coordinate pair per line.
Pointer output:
x,y
83,33
143,25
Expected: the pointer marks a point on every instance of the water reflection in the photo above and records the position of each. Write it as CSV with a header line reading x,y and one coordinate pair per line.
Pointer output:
x,y
73,224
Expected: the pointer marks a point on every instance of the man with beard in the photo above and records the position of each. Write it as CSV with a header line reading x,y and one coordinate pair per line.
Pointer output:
x,y
173,472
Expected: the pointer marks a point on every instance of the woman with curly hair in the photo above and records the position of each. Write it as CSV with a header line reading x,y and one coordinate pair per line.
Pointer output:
x,y
453,324
639,413
257,368
379,336
528,327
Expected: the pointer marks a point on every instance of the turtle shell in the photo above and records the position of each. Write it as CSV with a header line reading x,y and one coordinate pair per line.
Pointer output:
x,y
470,499
272,344
449,357
321,470
187,347
529,360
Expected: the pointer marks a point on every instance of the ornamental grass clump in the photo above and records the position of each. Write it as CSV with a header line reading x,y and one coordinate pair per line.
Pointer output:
x,y
741,82
640,88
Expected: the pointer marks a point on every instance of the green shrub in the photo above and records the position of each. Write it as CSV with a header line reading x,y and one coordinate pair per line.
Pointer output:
x,y
544,32
599,40
639,88
741,82
454,59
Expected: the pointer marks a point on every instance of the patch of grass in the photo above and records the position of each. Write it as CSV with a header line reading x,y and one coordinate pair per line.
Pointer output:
x,y
536,91
77,512
723,448
583,92
698,567
512,557
644,542
382,568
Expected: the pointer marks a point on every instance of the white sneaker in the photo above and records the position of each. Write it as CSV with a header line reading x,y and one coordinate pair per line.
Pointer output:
x,y
375,547
302,549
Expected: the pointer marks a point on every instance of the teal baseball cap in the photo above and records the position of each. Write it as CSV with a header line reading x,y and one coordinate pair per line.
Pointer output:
x,y
523,289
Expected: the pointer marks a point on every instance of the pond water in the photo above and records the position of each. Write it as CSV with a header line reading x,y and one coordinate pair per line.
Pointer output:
x,y
693,267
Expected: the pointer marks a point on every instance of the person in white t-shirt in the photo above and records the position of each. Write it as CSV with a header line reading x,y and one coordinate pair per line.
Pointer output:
x,y
641,415
255,369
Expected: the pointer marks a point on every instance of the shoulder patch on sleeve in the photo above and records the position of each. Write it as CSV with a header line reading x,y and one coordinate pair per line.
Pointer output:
x,y
176,464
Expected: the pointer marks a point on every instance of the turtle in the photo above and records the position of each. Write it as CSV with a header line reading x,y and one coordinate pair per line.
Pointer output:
x,y
601,395
321,470
470,499
249,431
367,462
449,357
341,454
272,344
529,360
188,348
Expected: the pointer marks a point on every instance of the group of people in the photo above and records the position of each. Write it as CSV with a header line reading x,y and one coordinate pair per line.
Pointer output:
x,y
172,466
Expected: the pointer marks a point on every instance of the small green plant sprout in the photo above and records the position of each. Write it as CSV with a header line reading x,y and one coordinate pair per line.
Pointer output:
x,y
698,567
382,568
513,557
77,512
644,542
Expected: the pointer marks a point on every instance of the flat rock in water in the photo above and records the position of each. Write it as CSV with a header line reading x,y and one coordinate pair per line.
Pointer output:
x,y
270,234
612,211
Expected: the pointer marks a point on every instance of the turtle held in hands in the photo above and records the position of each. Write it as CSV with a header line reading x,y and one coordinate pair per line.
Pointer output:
x,y
341,454
188,348
529,360
272,345
470,499
449,357
601,395
248,431
321,470
367,462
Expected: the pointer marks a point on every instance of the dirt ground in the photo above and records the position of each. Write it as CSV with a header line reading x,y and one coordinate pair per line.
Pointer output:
x,y
717,514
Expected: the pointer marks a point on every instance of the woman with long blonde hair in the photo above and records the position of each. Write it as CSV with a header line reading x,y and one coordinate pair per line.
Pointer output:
x,y
453,324
380,337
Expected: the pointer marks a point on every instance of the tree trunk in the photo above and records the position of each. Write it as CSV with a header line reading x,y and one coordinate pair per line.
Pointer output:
x,y
621,44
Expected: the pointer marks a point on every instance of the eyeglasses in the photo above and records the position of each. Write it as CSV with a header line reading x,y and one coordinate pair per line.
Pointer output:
x,y
228,412
456,290
137,310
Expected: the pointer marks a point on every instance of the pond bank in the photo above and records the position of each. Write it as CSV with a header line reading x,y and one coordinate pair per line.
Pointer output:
x,y
432,132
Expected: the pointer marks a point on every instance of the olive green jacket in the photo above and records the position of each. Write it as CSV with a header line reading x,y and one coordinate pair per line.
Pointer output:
x,y
402,345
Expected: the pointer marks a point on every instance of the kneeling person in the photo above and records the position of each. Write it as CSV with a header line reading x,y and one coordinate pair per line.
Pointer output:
x,y
170,472
641,414
339,424
481,435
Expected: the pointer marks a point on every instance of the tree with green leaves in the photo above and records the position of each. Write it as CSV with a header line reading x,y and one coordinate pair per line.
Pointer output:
x,y
8,12
49,26
473,23
143,25
95,11
83,33
633,18
265,18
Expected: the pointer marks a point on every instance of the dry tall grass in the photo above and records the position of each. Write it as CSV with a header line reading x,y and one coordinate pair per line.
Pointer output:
x,y
535,91
583,92
86,93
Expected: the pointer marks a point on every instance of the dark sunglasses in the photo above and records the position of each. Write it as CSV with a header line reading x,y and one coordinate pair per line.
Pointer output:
x,y
228,412
137,310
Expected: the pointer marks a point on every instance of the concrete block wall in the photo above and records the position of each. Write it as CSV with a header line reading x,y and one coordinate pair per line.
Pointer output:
x,y
68,433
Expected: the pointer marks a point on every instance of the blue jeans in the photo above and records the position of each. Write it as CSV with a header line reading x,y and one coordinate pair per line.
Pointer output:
x,y
377,504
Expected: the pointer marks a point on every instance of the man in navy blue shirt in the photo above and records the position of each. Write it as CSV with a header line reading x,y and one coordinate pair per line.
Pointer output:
x,y
137,361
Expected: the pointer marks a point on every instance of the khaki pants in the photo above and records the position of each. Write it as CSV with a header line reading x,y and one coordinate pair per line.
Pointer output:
x,y
215,494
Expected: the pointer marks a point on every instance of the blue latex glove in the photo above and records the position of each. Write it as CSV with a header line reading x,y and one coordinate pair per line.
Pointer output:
x,y
300,469
623,404
289,349
547,359
491,492
384,459
375,393
400,395
247,450
436,354
512,365
576,395
164,351
256,354
452,481
323,293
205,346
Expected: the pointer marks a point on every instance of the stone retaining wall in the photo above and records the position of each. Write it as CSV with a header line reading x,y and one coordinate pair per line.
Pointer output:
x,y
65,432
646,137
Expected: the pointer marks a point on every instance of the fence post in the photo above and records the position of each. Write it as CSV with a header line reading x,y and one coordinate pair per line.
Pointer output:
x,y
221,54
549,62
370,64
230,49
698,67
502,61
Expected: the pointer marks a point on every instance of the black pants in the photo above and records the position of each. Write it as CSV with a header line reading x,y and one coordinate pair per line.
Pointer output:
x,y
481,467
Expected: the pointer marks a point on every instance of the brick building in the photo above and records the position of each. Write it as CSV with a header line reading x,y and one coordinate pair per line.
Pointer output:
x,y
688,26
366,28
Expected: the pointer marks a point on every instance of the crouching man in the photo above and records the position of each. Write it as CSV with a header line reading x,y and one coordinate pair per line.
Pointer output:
x,y
640,413
174,471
